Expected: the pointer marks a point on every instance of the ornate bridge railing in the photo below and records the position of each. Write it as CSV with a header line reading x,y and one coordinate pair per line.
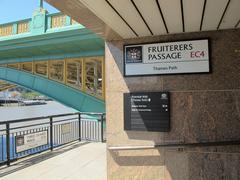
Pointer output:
x,y
56,20
85,74
4,86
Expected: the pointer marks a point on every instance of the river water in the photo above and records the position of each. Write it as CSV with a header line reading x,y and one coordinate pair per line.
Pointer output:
x,y
21,112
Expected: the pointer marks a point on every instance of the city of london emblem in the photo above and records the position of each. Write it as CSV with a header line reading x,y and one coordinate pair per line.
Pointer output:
x,y
134,54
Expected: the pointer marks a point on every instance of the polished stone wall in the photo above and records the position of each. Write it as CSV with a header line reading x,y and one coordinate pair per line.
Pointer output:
x,y
204,107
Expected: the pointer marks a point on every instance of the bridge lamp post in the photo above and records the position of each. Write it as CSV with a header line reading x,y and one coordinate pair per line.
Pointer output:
x,y
41,3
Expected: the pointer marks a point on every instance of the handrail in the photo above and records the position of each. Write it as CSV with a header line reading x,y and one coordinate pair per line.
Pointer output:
x,y
37,118
177,145
47,117
14,25
91,113
40,124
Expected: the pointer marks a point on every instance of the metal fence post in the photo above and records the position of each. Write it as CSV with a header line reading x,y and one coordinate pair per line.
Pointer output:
x,y
51,133
102,128
79,126
8,143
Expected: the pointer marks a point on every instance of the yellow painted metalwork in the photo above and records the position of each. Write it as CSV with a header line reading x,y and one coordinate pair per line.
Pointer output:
x,y
89,76
65,73
33,67
48,69
41,68
93,76
5,85
22,27
14,66
6,30
56,70
74,72
86,74
58,21
27,66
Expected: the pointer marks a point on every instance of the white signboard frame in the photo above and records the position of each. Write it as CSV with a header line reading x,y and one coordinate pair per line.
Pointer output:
x,y
30,141
179,57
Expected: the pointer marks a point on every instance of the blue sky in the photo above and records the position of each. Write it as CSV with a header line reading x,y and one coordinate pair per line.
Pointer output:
x,y
13,10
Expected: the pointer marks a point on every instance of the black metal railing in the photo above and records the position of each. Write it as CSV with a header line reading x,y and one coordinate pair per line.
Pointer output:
x,y
24,137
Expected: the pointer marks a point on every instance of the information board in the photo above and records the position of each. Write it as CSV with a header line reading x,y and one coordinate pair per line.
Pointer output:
x,y
147,111
167,58
30,141
65,128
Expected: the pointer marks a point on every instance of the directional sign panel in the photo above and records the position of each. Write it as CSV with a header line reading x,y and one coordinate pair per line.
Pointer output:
x,y
147,111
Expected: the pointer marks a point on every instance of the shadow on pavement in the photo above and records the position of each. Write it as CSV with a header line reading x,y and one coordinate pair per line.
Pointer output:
x,y
32,160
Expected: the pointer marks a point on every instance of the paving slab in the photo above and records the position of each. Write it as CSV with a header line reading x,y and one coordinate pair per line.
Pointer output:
x,y
87,161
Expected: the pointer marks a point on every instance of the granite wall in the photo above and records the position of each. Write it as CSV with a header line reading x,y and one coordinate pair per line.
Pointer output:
x,y
204,107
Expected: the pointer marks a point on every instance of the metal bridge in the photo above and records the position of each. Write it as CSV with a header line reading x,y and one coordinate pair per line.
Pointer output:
x,y
54,55
5,85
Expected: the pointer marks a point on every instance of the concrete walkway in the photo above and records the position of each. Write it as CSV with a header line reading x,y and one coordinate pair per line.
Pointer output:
x,y
87,161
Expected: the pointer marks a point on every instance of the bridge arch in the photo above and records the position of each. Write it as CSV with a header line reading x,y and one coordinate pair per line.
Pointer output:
x,y
64,94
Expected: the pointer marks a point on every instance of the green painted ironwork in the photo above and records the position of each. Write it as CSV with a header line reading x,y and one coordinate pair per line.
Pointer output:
x,y
40,3
66,44
5,85
60,92
49,37
40,23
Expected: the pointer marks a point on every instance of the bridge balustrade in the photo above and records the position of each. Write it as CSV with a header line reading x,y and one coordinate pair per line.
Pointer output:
x,y
23,27
18,27
27,67
41,68
56,20
74,73
85,74
6,30
4,86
